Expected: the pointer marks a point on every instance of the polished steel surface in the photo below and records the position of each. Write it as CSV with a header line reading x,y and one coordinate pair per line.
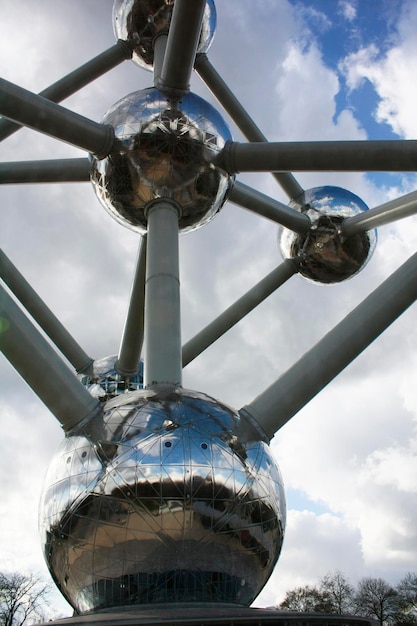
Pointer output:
x,y
170,496
324,253
143,20
164,151
103,381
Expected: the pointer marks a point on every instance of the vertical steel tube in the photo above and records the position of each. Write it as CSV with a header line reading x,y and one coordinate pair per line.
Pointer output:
x,y
41,367
132,339
159,48
162,360
275,406
183,36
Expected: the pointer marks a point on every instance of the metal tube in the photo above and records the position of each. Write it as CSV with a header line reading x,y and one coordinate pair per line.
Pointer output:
x,y
40,366
132,339
183,36
162,360
259,203
241,118
159,49
77,79
237,311
50,171
378,216
281,401
320,156
43,315
24,107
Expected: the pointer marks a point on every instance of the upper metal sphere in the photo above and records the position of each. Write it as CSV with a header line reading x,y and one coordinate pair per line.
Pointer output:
x,y
169,496
165,150
143,20
324,254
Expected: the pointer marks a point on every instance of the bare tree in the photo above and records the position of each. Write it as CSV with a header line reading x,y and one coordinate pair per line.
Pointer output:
x,y
336,587
407,600
376,598
22,599
306,600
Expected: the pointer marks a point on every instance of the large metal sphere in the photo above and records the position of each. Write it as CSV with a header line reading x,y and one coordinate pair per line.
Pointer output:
x,y
165,150
170,497
324,254
143,20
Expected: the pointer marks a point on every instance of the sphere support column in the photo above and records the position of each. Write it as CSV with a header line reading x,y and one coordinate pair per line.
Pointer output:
x,y
163,355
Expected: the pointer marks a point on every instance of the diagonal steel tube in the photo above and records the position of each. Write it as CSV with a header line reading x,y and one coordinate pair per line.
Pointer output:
x,y
29,109
43,315
77,79
241,118
384,214
281,401
49,171
41,367
181,48
132,339
237,311
320,156
259,203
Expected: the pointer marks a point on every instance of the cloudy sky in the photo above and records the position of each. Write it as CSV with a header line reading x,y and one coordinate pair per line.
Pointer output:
x,y
308,70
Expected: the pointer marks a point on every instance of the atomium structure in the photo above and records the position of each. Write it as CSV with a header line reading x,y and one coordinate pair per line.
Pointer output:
x,y
160,495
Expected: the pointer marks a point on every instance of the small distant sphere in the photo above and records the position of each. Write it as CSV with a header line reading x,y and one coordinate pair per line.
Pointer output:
x,y
324,254
105,382
168,496
143,20
164,150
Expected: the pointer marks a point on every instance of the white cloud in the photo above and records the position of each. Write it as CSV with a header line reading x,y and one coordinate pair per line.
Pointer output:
x,y
348,9
359,459
394,467
318,20
314,545
392,75
306,91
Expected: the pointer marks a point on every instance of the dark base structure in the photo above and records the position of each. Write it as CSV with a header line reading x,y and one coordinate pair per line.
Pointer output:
x,y
206,615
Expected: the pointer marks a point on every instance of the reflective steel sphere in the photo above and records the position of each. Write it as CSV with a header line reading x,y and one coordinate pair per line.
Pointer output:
x,y
143,20
165,150
324,254
105,382
168,496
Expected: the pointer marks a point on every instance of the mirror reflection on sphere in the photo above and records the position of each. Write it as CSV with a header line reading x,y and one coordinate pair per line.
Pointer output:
x,y
324,254
105,382
165,149
169,496
143,20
